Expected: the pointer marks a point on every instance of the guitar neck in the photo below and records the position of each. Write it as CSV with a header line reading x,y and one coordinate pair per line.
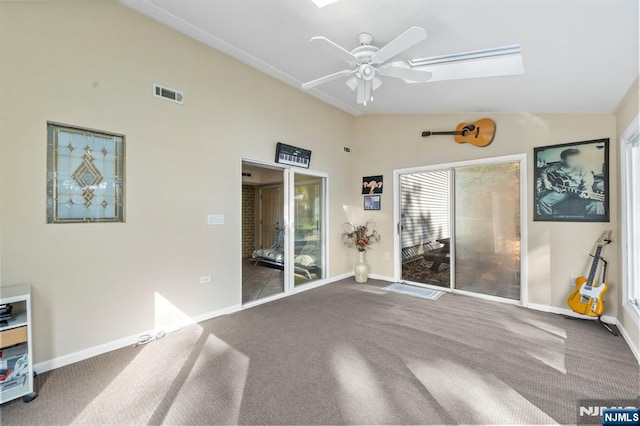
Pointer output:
x,y
425,134
594,268
592,195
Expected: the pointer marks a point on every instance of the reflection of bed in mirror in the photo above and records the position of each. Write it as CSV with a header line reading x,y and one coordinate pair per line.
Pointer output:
x,y
306,258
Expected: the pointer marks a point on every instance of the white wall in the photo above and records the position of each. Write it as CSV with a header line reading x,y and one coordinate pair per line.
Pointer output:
x,y
556,250
92,64
626,112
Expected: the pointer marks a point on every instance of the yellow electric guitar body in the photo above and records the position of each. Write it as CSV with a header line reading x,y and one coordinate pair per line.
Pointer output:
x,y
588,301
588,296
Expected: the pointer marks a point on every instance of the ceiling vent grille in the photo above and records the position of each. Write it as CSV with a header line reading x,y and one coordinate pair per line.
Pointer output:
x,y
167,93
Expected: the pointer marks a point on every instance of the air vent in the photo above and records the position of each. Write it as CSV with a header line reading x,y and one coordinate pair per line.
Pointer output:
x,y
167,93
246,174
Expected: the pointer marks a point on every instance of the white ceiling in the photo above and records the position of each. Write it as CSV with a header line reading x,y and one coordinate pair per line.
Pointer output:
x,y
579,55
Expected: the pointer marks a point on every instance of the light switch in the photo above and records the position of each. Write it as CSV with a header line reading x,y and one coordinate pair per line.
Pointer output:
x,y
215,219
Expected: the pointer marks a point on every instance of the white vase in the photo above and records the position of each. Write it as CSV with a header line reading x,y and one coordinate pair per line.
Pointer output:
x,y
362,269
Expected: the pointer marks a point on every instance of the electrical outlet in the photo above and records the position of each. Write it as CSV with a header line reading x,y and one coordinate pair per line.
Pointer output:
x,y
205,280
572,283
215,219
387,255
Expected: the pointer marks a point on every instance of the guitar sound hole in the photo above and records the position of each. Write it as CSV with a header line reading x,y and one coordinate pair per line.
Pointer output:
x,y
468,129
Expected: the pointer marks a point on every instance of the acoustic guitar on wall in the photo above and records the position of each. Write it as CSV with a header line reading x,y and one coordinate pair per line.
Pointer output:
x,y
479,133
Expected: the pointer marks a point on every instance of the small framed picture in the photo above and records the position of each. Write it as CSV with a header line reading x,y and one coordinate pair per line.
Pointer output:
x,y
372,202
372,185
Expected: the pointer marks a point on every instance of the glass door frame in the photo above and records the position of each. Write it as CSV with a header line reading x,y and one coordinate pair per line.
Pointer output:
x,y
290,232
397,200
289,173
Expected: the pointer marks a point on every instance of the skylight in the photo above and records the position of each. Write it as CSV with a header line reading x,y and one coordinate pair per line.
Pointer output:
x,y
482,63
323,3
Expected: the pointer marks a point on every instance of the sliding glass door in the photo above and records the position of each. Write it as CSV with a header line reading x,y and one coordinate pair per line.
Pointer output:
x,y
487,229
308,220
425,231
283,230
459,227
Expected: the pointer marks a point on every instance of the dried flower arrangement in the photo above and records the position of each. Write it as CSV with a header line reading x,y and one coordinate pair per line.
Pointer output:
x,y
360,236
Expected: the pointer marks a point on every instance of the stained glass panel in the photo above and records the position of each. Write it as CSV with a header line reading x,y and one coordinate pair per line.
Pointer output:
x,y
85,175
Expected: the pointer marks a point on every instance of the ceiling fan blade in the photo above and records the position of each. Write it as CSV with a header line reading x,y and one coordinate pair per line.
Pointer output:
x,y
360,92
334,49
326,79
404,41
409,74
499,61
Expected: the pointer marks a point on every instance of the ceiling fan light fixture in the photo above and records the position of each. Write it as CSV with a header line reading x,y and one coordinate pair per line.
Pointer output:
x,y
366,72
377,82
352,83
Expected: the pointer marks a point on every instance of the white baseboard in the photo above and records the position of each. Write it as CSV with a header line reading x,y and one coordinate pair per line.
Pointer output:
x,y
72,358
627,339
568,312
220,312
382,278
338,278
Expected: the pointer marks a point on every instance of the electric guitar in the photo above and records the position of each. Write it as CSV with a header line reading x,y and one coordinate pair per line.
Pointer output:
x,y
479,133
587,298
562,184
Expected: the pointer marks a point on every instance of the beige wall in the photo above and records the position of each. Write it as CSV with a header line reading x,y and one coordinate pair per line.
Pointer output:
x,y
625,113
92,64
556,250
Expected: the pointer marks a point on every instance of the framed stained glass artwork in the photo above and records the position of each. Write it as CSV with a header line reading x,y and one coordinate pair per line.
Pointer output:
x,y
85,175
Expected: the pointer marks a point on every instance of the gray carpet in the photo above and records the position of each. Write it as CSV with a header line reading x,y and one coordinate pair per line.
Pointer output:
x,y
347,353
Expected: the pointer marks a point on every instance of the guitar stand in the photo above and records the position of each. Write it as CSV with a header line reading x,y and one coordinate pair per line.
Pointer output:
x,y
606,326
604,280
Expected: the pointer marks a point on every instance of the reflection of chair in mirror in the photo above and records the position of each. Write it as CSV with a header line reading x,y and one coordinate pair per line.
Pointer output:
x,y
305,260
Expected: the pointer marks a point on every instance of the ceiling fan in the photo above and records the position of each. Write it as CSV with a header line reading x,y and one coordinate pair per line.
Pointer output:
x,y
367,63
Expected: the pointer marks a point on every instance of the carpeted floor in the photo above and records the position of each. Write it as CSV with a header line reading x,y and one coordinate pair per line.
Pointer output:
x,y
347,353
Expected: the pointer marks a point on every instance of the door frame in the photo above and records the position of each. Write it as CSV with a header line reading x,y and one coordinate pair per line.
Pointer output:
x,y
325,225
288,226
397,248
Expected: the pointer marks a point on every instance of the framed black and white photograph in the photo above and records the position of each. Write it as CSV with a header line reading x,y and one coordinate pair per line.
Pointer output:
x,y
372,202
572,182
372,185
